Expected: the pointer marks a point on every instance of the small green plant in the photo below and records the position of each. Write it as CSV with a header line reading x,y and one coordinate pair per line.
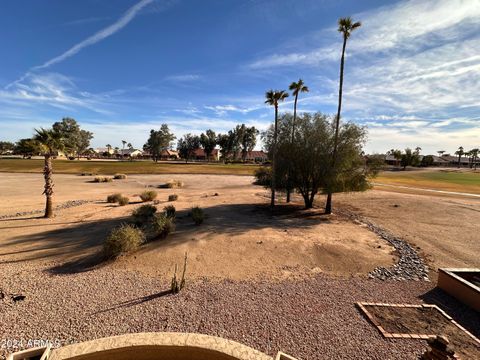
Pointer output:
x,y
144,214
122,240
170,211
173,197
123,201
148,195
198,215
176,286
171,184
120,176
162,225
114,198
102,179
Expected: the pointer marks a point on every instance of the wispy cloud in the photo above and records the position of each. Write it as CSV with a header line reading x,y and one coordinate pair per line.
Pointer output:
x,y
183,77
406,26
126,18
99,36
54,90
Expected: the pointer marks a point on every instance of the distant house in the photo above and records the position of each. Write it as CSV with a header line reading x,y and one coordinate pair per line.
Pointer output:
x,y
169,155
453,160
104,150
439,161
199,154
391,160
132,153
256,156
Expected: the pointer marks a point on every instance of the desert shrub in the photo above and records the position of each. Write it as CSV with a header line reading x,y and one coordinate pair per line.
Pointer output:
x,y
148,195
120,176
170,211
122,240
171,184
173,197
114,198
123,201
263,176
143,215
198,215
101,179
162,225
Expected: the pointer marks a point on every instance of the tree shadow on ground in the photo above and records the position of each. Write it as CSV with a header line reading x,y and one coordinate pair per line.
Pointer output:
x,y
237,219
77,248
80,244
461,313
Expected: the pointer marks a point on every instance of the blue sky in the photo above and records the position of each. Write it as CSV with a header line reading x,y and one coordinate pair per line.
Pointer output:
x,y
123,67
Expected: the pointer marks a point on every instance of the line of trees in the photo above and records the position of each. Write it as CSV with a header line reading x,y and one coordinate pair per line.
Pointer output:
x,y
234,144
411,157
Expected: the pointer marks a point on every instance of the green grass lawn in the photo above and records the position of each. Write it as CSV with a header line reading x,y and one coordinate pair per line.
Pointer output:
x,y
449,180
126,167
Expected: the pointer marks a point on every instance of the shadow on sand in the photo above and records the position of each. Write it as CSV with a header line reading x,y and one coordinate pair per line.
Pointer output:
x,y
461,313
77,248
80,243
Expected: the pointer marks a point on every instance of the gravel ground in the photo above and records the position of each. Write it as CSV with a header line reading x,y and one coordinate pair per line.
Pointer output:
x,y
302,317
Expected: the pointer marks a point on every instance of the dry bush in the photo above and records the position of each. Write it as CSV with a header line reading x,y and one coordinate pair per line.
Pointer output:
x,y
173,197
143,215
102,179
198,215
123,201
114,198
162,225
122,240
170,211
148,195
171,184
120,176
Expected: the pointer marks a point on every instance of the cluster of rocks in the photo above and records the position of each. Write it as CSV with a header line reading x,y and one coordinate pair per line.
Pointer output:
x,y
410,265
439,350
63,206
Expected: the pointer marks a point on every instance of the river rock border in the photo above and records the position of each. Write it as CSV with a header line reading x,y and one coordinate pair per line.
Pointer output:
x,y
410,265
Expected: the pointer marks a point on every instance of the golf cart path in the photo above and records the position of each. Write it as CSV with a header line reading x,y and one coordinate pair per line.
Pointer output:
x,y
429,190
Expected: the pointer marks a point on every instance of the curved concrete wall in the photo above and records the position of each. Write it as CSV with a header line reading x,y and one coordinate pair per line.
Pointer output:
x,y
150,346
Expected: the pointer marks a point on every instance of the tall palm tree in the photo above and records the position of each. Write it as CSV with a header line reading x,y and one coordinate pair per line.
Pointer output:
x,y
440,152
124,142
474,153
109,148
50,142
273,97
296,88
460,153
345,26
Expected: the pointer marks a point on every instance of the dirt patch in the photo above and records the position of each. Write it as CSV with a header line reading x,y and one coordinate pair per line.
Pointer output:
x,y
443,229
424,321
239,239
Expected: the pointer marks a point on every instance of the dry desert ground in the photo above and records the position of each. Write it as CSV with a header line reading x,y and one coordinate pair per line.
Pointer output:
x,y
286,280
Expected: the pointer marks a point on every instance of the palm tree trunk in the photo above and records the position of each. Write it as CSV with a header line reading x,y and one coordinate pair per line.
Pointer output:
x,y
274,150
328,205
48,190
289,183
